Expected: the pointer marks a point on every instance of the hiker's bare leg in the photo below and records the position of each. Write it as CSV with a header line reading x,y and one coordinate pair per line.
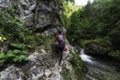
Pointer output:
x,y
60,55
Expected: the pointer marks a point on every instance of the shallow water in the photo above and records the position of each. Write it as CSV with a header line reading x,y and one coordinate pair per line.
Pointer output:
x,y
99,69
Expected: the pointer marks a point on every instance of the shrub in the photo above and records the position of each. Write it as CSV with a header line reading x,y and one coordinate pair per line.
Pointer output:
x,y
13,56
21,39
115,54
18,46
77,65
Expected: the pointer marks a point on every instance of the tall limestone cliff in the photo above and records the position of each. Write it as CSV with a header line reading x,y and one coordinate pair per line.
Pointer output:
x,y
44,17
40,14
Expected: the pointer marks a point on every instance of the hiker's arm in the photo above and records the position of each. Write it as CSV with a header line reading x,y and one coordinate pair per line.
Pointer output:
x,y
56,37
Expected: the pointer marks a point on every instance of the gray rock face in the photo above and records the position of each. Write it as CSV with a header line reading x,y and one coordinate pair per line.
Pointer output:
x,y
41,66
48,14
24,9
42,14
35,69
5,3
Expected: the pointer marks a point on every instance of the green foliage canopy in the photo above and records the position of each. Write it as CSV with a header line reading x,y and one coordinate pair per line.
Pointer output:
x,y
97,21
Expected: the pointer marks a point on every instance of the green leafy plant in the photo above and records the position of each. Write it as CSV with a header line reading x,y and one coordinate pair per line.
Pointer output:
x,y
42,39
20,58
17,55
18,46
77,65
2,55
66,74
13,56
115,54
2,58
10,24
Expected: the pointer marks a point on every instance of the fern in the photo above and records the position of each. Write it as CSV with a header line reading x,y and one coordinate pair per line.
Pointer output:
x,y
18,46
20,58
2,56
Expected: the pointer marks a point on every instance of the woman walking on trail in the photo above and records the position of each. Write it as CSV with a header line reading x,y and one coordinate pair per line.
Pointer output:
x,y
60,45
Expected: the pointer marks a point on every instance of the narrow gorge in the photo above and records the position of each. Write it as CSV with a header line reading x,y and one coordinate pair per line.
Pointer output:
x,y
44,18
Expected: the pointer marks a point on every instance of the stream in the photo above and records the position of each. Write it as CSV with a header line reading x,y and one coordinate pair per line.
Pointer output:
x,y
99,69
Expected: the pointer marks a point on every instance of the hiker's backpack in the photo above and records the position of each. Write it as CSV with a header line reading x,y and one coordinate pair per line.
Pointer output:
x,y
61,40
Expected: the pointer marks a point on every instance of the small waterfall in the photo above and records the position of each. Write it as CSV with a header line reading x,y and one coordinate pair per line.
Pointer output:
x,y
98,69
87,58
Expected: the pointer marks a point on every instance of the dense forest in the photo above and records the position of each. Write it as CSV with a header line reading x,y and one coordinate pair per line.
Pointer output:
x,y
96,27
